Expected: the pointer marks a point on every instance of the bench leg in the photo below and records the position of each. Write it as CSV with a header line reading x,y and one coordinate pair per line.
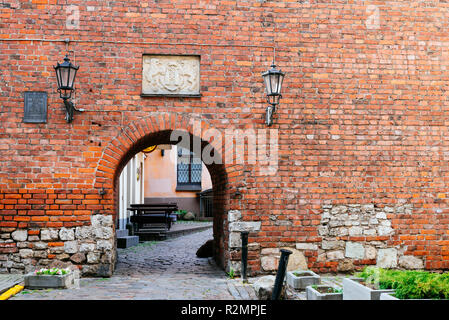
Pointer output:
x,y
131,228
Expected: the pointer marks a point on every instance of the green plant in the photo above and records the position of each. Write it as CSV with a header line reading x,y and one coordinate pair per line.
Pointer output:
x,y
102,279
181,214
52,271
301,274
147,243
409,284
231,273
328,289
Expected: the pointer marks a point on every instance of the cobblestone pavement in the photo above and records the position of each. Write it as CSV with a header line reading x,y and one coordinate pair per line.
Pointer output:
x,y
9,280
155,270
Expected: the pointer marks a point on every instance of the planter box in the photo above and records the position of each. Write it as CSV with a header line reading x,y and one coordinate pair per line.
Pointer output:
x,y
387,296
354,290
307,278
33,281
313,294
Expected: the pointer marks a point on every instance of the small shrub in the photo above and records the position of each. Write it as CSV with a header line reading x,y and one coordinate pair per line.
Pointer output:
x,y
181,214
409,284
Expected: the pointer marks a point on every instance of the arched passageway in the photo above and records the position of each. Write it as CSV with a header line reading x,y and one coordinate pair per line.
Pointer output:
x,y
166,129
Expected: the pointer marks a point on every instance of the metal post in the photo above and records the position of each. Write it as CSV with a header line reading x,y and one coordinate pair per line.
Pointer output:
x,y
244,236
130,229
279,282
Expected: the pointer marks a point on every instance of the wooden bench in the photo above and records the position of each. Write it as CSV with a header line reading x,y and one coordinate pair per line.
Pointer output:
x,y
152,219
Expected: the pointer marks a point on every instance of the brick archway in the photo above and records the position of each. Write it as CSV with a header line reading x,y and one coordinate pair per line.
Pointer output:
x,y
152,130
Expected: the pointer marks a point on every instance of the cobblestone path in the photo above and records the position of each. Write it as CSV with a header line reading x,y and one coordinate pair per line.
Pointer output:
x,y
9,280
153,270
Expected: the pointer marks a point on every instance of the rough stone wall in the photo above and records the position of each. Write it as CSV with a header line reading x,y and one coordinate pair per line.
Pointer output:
x,y
351,237
362,121
355,235
91,247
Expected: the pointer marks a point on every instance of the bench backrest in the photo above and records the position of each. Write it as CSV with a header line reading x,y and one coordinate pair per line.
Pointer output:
x,y
154,208
154,205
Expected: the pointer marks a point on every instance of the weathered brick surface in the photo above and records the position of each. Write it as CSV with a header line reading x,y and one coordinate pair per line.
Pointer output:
x,y
363,119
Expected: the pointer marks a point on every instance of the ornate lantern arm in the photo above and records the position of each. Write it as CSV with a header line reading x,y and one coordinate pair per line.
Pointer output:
x,y
65,76
69,107
273,79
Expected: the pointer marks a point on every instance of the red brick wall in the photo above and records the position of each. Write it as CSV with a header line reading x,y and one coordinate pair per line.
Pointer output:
x,y
363,119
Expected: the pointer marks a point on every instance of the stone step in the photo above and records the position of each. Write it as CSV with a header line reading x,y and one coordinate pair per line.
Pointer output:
x,y
121,233
127,241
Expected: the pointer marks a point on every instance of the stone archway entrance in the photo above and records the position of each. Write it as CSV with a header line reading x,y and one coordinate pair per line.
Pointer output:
x,y
153,130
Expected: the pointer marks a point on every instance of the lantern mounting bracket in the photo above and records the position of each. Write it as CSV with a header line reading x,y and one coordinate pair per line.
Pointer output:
x,y
269,115
65,75
69,108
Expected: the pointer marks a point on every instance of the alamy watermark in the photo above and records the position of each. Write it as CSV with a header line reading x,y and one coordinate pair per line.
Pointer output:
x,y
373,20
232,146
73,17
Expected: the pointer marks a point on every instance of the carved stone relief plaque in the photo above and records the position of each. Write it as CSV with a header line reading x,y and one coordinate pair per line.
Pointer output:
x,y
171,75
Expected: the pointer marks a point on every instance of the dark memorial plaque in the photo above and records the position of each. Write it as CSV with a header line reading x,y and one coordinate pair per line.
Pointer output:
x,y
35,107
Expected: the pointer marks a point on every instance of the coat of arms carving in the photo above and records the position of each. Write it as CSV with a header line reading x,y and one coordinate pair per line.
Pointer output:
x,y
170,75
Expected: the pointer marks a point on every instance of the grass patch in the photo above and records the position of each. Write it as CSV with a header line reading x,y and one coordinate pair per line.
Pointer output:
x,y
147,243
327,289
103,279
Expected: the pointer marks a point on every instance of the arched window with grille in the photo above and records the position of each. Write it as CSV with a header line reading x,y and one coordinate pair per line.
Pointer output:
x,y
189,170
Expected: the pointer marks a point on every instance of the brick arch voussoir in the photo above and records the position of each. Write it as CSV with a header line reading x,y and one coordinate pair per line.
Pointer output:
x,y
134,132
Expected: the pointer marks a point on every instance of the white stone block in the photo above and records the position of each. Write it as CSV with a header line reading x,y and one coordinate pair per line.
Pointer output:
x,y
71,247
355,231
104,245
66,234
387,258
234,215
411,262
20,235
87,247
306,246
235,240
354,250
83,232
335,255
49,234
244,226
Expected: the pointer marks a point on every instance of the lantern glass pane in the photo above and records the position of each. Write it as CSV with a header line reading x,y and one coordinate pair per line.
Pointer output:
x,y
64,74
72,78
58,77
266,78
281,80
274,83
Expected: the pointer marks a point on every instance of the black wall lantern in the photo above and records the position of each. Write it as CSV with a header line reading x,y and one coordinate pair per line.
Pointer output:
x,y
65,74
273,79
